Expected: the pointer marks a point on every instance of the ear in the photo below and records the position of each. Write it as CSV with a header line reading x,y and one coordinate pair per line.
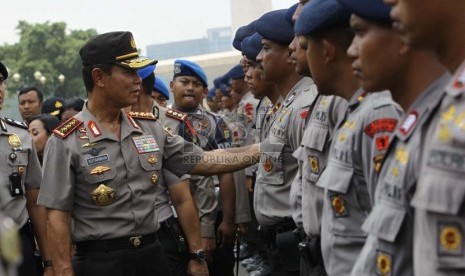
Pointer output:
x,y
205,92
404,49
329,51
98,76
171,86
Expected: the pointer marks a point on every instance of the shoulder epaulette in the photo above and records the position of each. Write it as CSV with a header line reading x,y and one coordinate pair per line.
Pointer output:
x,y
67,127
178,115
142,115
16,123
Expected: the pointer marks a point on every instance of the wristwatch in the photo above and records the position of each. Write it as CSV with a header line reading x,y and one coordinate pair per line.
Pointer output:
x,y
198,255
47,263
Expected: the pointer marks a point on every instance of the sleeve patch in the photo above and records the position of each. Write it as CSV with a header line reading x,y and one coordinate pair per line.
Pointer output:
x,y
380,125
382,142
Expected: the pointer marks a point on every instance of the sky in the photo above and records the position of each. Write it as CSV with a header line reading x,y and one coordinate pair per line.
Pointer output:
x,y
150,21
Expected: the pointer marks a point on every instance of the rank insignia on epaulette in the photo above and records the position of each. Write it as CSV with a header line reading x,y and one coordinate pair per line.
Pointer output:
x,y
338,205
450,239
409,122
383,263
67,127
16,123
181,116
142,115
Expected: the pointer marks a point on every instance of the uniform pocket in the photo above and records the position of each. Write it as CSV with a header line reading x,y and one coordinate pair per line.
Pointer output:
x,y
316,138
21,158
384,222
150,161
272,164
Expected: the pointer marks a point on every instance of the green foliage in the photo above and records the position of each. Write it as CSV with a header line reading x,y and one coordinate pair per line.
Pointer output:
x,y
51,49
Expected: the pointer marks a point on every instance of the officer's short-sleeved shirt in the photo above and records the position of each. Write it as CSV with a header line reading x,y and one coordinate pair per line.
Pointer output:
x,y
389,245
18,158
350,176
277,167
439,200
78,167
312,155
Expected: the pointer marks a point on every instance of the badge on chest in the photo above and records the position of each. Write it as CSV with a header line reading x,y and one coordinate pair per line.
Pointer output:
x,y
145,144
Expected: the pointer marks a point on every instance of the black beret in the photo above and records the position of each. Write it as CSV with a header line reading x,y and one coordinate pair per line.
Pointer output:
x,y
251,46
3,70
242,33
374,10
273,26
319,15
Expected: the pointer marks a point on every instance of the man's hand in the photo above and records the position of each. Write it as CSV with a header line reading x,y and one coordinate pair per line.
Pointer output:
x,y
209,245
243,229
226,233
249,183
195,268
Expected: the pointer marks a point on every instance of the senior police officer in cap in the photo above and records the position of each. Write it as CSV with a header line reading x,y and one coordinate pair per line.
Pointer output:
x,y
439,197
20,176
103,167
181,234
278,167
354,158
415,78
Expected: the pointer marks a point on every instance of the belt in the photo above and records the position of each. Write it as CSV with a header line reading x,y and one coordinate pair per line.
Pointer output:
x,y
269,232
133,242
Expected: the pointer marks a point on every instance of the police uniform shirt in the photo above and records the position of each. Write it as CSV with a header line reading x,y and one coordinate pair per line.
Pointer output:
x,y
312,154
439,223
277,167
350,177
212,133
18,158
108,184
388,248
163,200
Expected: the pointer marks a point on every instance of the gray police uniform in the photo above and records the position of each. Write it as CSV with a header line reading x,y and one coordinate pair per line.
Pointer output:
x,y
20,171
109,185
350,176
388,248
312,155
276,172
439,224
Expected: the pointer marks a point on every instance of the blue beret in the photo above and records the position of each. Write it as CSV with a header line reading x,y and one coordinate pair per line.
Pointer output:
x,y
225,92
273,26
374,10
184,67
161,87
320,15
242,33
251,46
290,13
145,72
211,93
236,72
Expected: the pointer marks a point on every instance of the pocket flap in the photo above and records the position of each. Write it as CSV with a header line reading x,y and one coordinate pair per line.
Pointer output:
x,y
336,178
150,161
316,137
439,193
384,222
21,158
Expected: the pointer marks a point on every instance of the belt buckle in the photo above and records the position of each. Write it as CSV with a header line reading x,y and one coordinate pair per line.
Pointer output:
x,y
135,242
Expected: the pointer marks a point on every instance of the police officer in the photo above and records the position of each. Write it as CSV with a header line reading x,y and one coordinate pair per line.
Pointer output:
x,y
313,152
160,92
354,158
188,87
103,167
20,175
181,234
278,167
415,79
438,200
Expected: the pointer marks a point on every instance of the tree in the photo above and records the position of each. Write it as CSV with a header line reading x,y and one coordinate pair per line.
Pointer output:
x,y
51,49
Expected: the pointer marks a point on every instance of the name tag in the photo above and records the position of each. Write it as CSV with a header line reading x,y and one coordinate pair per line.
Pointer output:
x,y
97,160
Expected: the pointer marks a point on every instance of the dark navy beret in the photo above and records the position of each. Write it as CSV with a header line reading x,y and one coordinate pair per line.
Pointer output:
x,y
184,67
52,106
319,15
236,72
290,13
3,70
226,92
211,93
242,33
273,26
374,10
251,46
221,81
161,87
146,71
